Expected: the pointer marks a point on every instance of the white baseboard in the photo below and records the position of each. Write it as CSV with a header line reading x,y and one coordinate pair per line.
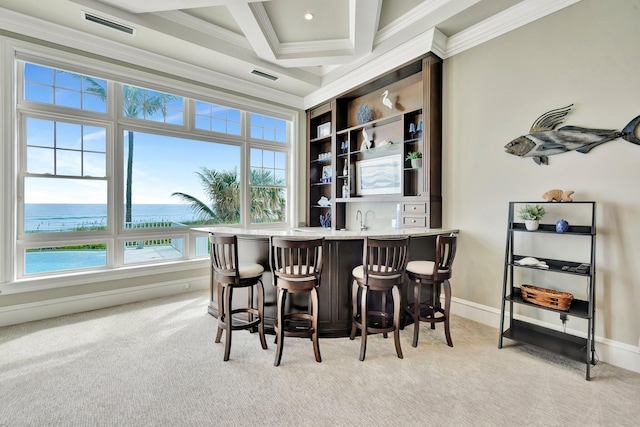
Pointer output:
x,y
615,353
612,352
39,310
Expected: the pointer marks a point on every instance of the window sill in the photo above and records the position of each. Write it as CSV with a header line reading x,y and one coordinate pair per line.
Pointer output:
x,y
40,283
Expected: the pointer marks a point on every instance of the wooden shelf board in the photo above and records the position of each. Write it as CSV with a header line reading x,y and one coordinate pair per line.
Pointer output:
x,y
570,346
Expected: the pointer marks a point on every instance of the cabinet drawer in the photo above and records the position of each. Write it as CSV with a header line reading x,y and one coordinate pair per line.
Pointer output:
x,y
414,208
414,221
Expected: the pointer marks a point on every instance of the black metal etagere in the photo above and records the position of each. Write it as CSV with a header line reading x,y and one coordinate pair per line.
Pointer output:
x,y
575,347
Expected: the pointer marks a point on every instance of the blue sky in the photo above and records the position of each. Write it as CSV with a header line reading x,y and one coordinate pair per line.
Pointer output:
x,y
162,164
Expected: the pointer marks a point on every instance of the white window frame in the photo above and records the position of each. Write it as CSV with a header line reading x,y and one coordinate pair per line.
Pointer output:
x,y
14,240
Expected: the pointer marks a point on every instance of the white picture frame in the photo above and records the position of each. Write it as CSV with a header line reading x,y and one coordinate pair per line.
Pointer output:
x,y
324,130
382,175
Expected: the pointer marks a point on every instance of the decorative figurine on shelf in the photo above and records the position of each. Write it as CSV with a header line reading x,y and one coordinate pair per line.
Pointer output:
x,y
324,202
345,169
386,101
345,191
364,114
325,220
562,226
412,130
366,142
556,195
419,128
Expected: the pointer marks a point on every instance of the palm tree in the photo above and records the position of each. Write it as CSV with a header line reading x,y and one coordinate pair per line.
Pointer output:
x,y
136,105
267,197
223,191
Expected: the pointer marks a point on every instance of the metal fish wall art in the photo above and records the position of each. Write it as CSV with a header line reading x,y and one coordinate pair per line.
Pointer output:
x,y
545,140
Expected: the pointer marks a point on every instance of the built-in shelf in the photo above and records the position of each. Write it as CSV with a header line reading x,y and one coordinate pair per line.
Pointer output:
x,y
416,88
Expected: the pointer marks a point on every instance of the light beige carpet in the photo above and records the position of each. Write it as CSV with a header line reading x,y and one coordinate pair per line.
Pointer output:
x,y
154,363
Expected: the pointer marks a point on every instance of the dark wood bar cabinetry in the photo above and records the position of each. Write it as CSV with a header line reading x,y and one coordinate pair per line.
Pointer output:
x,y
406,116
343,251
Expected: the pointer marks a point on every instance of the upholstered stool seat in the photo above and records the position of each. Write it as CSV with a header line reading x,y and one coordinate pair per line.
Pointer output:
x,y
381,272
435,274
250,270
228,274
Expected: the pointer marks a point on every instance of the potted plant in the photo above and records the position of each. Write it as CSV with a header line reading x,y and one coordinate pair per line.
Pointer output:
x,y
416,159
531,215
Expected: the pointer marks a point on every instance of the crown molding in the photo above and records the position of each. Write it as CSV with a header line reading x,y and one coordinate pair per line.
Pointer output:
x,y
419,12
204,27
315,48
385,62
54,33
516,16
434,40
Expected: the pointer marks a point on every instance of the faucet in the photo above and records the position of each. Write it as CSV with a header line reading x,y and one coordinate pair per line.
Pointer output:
x,y
362,226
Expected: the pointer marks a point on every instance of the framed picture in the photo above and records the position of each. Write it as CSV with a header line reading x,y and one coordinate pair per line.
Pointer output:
x,y
326,174
381,175
324,130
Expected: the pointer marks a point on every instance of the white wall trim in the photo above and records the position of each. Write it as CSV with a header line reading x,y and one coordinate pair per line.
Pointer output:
x,y
28,312
612,352
508,20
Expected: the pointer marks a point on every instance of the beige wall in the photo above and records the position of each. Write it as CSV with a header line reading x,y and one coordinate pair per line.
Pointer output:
x,y
586,54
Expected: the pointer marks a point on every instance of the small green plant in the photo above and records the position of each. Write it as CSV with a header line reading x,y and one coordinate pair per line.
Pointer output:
x,y
413,155
532,213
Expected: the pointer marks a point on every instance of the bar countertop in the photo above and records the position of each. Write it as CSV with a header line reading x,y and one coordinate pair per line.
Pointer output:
x,y
327,233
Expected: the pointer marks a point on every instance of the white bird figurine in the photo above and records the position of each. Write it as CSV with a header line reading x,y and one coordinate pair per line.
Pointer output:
x,y
366,143
386,101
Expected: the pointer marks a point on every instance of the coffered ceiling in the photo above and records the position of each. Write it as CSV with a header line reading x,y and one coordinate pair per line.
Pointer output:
x,y
267,48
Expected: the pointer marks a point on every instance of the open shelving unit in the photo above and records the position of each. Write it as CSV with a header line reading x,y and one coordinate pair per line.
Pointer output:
x,y
576,347
319,146
414,123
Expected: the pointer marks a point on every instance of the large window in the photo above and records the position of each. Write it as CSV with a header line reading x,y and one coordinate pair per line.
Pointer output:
x,y
268,128
217,118
178,181
268,186
113,174
62,88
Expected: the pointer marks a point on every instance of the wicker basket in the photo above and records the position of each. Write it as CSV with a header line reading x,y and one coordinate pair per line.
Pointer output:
x,y
546,297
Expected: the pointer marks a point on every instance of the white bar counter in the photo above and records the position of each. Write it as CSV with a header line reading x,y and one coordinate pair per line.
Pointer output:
x,y
327,233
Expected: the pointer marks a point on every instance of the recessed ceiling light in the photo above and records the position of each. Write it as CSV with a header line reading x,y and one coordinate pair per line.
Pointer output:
x,y
308,16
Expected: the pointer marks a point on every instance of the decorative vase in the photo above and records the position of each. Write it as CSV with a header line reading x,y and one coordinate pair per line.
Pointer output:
x,y
531,224
562,226
416,163
345,191
364,114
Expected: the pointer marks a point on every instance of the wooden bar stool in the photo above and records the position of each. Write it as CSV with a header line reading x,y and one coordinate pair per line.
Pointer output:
x,y
382,270
296,266
229,274
434,274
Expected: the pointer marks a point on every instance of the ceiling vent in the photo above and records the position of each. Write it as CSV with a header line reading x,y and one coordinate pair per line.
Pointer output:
x,y
265,75
108,23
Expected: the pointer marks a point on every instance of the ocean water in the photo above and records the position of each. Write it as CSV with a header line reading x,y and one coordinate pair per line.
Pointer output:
x,y
41,217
